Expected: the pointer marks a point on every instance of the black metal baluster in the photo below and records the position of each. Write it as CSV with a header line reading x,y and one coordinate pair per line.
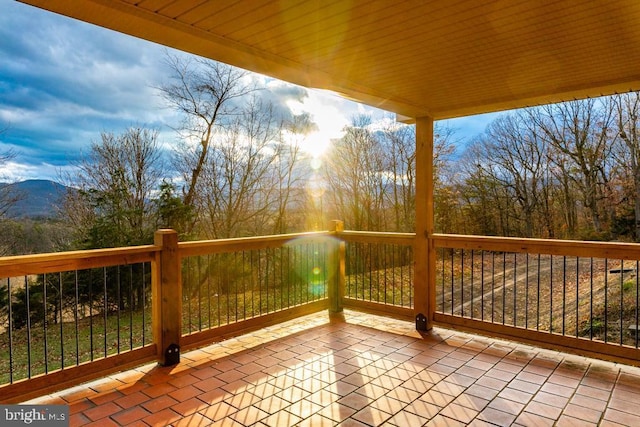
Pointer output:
x,y
10,328
526,292
606,299
493,285
131,305
591,300
451,262
564,292
199,291
577,295
538,297
515,279
443,279
60,321
462,282
550,293
621,297
91,312
105,309
637,301
44,323
504,285
118,296
482,252
472,268
28,297
144,304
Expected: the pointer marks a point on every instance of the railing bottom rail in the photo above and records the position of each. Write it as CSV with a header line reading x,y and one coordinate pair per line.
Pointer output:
x,y
52,381
581,346
220,333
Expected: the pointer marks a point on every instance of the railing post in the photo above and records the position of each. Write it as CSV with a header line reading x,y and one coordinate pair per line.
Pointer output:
x,y
167,298
424,280
337,263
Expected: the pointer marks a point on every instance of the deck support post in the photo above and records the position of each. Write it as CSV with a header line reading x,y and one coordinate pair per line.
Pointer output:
x,y
423,249
166,298
336,276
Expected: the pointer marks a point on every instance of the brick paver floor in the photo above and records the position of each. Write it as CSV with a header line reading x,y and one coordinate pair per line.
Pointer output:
x,y
362,370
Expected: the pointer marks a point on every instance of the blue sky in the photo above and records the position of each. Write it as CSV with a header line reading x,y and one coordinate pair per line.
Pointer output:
x,y
62,82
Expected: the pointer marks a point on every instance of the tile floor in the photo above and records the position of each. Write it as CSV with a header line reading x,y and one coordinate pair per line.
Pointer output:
x,y
362,370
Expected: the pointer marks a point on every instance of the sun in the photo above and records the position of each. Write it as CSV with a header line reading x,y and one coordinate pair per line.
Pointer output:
x,y
317,143
329,120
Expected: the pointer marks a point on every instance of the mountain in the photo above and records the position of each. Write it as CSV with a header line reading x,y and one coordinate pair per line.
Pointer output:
x,y
37,198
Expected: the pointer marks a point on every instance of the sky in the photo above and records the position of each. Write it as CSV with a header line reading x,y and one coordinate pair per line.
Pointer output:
x,y
63,82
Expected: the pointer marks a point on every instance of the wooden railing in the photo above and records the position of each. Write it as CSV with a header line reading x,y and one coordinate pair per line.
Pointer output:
x,y
54,336
577,296
90,313
73,316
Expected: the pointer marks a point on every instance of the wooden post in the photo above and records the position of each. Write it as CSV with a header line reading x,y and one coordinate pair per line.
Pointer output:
x,y
337,269
167,298
423,251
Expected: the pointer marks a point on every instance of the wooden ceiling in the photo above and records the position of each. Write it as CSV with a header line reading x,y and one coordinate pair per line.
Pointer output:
x,y
437,58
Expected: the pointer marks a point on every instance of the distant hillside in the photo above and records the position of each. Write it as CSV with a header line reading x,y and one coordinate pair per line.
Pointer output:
x,y
38,198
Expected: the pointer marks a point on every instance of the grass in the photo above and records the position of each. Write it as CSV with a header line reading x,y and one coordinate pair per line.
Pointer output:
x,y
66,345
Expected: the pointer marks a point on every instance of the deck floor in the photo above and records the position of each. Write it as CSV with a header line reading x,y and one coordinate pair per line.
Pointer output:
x,y
361,370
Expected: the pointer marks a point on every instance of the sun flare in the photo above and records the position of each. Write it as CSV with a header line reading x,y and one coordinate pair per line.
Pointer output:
x,y
330,121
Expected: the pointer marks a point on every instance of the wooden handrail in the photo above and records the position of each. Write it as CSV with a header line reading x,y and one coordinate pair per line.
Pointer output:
x,y
205,247
626,251
377,237
24,265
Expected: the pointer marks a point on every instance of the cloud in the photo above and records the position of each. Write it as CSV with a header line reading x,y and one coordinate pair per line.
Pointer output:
x,y
65,81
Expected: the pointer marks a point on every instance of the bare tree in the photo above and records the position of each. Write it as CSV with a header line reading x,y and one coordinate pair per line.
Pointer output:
x,y
204,92
110,200
627,110
400,158
579,136
289,176
516,157
235,193
355,175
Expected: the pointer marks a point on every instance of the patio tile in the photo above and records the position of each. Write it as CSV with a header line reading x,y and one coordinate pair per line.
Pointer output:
x,y
130,415
441,421
387,404
218,411
281,418
194,420
472,402
162,418
531,419
515,395
405,419
337,412
249,415
375,371
623,418
242,400
582,413
506,405
543,410
102,411
356,401
495,416
459,412
190,406
304,408
134,399
371,416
